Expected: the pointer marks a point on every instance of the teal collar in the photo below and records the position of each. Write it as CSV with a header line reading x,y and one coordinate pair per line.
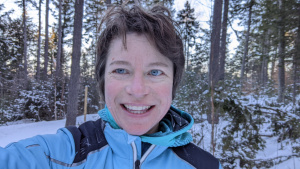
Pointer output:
x,y
106,116
166,136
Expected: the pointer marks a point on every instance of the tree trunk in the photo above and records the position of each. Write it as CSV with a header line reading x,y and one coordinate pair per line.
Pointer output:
x,y
38,67
137,2
223,41
188,54
186,49
58,71
46,60
62,99
25,39
281,53
296,60
246,45
273,65
215,43
108,3
265,59
75,67
214,61
59,44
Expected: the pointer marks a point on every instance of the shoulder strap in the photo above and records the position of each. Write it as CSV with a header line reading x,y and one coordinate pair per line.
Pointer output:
x,y
197,157
88,137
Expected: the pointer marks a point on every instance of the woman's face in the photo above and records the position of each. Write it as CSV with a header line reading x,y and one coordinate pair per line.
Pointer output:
x,y
138,84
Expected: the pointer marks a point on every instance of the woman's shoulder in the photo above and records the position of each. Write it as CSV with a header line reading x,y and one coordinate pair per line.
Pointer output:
x,y
196,156
87,137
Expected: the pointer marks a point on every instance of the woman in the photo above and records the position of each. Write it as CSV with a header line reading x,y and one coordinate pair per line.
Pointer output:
x,y
140,63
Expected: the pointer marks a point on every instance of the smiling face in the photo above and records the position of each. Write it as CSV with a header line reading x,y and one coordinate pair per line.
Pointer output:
x,y
138,84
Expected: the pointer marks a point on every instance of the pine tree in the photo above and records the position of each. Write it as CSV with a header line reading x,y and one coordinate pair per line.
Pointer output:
x,y
246,46
5,58
200,55
38,67
58,74
66,28
214,62
23,5
46,48
296,60
67,13
281,51
189,29
221,72
25,38
75,67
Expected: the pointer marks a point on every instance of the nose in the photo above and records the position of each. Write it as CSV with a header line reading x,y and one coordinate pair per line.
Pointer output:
x,y
138,87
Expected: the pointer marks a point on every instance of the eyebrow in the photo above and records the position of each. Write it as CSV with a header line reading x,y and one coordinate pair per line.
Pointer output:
x,y
120,62
158,64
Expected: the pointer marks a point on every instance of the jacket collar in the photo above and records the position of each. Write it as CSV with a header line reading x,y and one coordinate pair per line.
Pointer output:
x,y
173,128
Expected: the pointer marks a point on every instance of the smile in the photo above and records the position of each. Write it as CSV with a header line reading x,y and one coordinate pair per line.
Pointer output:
x,y
136,109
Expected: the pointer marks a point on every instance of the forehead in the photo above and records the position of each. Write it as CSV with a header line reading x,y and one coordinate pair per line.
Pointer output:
x,y
135,47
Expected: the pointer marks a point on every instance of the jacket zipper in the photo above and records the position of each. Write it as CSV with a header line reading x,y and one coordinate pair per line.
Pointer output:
x,y
137,163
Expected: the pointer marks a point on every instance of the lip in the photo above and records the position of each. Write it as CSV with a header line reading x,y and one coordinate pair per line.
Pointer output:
x,y
137,115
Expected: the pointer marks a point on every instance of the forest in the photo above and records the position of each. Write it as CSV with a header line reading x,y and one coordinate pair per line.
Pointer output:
x,y
240,97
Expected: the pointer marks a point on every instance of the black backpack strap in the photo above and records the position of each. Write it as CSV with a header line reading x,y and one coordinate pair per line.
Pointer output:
x,y
88,137
197,157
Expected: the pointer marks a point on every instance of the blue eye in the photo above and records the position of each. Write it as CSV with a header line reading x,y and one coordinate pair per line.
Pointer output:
x,y
120,71
155,72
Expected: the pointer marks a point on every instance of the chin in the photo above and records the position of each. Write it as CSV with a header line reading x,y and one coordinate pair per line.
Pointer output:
x,y
136,131
139,131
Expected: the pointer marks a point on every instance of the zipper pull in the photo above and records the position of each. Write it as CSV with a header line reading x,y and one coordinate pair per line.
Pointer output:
x,y
137,164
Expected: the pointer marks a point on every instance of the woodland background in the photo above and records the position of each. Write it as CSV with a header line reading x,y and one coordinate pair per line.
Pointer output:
x,y
253,90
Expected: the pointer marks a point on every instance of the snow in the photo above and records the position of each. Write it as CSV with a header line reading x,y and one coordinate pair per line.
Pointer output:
x,y
16,131
273,149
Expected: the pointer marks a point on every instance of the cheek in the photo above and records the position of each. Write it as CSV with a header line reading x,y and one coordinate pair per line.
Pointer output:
x,y
164,92
110,90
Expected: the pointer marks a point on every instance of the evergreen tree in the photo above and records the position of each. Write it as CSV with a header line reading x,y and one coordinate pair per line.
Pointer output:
x,y
246,46
23,5
281,50
189,29
5,59
58,73
214,65
223,41
75,67
67,13
296,60
25,39
46,48
38,67
200,55
62,57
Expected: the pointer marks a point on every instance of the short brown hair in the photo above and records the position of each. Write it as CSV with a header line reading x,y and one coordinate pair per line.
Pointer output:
x,y
156,23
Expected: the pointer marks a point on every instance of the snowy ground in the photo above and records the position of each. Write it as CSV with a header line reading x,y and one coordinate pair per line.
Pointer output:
x,y
25,129
272,150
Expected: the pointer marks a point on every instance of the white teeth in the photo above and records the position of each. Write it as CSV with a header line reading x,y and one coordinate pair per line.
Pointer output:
x,y
137,109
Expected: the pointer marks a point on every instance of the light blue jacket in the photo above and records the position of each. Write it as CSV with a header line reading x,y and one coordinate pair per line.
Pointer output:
x,y
122,151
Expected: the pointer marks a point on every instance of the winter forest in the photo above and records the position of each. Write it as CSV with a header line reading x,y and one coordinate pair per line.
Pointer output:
x,y
241,82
